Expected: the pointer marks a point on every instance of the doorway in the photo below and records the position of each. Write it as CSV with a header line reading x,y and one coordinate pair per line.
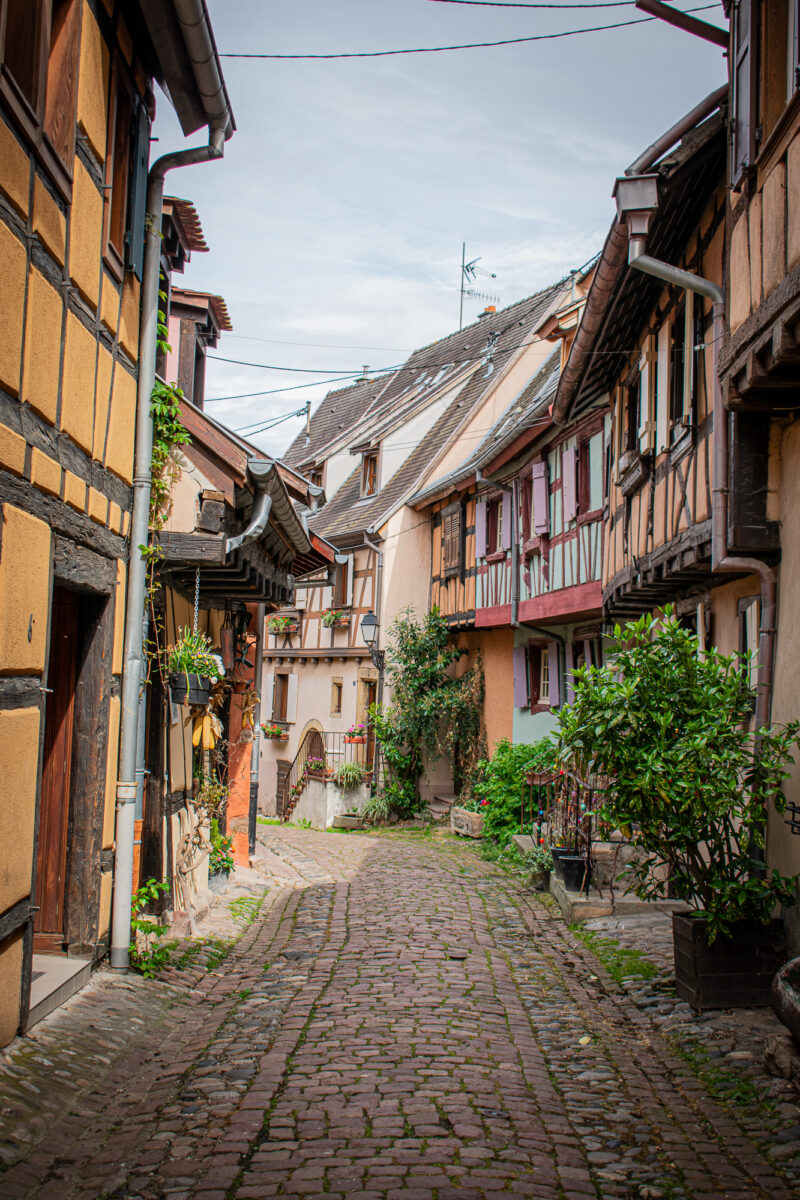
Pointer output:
x,y
51,854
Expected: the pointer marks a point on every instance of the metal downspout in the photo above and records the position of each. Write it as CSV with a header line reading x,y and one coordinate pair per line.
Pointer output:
x,y
139,535
255,752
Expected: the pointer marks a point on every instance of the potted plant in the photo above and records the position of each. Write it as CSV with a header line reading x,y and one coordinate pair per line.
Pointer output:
x,y
334,618
467,816
192,668
357,734
220,859
539,862
349,775
315,766
282,625
691,787
275,732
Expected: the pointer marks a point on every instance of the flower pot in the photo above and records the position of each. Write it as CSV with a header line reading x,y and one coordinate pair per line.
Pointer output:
x,y
469,824
576,875
218,881
194,690
355,741
558,852
734,972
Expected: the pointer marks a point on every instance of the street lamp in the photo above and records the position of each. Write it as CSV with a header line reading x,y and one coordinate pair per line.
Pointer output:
x,y
369,631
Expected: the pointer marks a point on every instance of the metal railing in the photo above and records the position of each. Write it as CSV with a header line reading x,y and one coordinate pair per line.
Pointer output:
x,y
327,751
562,809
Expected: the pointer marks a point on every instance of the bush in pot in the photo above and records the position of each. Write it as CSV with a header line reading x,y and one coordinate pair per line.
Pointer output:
x,y
349,775
499,785
691,785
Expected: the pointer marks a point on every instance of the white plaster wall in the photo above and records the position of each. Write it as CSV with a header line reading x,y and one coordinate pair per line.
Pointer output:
x,y
400,445
338,468
320,802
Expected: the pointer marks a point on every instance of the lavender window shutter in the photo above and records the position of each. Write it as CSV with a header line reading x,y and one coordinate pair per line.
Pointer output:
x,y
569,666
520,677
555,681
480,529
506,522
568,488
541,499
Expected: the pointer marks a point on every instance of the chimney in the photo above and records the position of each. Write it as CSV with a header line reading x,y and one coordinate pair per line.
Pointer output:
x,y
487,312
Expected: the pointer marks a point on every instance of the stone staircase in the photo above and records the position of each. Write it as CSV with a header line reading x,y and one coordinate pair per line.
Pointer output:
x,y
439,806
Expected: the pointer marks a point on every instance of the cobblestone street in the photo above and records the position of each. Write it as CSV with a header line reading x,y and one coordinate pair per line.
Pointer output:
x,y
400,1019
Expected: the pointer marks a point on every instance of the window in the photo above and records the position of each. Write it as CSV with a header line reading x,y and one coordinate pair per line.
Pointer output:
x,y
118,162
677,371
544,676
280,698
315,477
451,539
336,698
632,409
494,526
749,628
40,75
342,585
369,475
128,143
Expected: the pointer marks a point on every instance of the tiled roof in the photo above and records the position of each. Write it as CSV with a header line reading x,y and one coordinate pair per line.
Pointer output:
x,y
532,405
186,214
486,347
205,300
338,413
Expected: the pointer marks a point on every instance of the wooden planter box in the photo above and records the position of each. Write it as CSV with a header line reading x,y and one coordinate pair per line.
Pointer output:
x,y
294,628
469,824
356,741
733,972
190,689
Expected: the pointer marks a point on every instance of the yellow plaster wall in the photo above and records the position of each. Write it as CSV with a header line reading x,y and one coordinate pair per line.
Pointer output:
x,y
77,391
49,223
119,618
111,772
42,347
92,83
45,472
16,173
106,891
12,450
10,972
86,231
19,761
12,299
24,592
120,444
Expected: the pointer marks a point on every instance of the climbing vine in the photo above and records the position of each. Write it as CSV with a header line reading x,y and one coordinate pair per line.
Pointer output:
x,y
169,432
432,712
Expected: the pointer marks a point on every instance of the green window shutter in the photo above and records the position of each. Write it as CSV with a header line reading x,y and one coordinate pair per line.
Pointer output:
x,y
137,200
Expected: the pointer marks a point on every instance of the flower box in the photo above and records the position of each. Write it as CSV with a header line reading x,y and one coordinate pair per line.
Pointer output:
x,y
734,972
278,625
355,741
468,824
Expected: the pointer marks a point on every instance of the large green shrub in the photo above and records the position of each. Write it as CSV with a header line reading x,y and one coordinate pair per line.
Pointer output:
x,y
691,785
499,788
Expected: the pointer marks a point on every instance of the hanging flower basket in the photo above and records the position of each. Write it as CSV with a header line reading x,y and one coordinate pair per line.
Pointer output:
x,y
188,688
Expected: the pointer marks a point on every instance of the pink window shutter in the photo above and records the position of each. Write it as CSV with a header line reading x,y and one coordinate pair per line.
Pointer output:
x,y
480,529
520,660
506,545
541,499
553,673
568,482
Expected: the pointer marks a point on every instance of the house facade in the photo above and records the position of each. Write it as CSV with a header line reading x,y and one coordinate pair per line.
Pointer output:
x,y
372,447
76,102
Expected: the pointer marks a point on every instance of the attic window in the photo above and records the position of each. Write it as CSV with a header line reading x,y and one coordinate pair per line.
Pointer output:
x,y
315,477
369,474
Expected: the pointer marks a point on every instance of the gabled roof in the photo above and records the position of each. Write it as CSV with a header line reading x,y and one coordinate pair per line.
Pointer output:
x,y
470,363
530,410
335,416
206,301
621,298
184,214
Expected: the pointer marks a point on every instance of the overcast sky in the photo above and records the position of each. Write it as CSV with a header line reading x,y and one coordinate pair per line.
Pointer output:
x,y
335,220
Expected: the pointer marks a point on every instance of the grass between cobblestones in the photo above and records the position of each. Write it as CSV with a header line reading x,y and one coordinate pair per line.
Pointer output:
x,y
620,961
210,952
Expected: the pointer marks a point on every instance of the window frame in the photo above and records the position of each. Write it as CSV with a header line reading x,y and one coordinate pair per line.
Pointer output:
x,y
32,118
336,710
341,585
113,255
280,696
369,473
452,540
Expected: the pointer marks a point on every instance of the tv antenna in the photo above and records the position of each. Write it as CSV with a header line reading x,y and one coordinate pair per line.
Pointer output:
x,y
469,271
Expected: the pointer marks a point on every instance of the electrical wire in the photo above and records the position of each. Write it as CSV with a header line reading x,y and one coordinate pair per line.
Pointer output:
x,y
294,370
318,345
503,4
539,37
276,391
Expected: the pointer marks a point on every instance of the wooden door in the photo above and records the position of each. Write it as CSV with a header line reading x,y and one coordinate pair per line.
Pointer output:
x,y
51,853
282,786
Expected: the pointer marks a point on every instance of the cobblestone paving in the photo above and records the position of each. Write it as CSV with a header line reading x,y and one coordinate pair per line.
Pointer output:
x,y
401,1020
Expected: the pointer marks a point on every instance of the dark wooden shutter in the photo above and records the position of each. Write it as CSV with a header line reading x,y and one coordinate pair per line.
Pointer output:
x,y
534,673
744,91
527,500
506,530
137,200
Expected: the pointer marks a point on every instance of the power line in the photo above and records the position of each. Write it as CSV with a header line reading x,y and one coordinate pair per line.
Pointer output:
x,y
294,370
319,345
277,391
503,4
540,37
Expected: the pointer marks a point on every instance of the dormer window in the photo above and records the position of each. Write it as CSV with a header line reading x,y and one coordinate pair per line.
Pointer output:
x,y
315,477
369,474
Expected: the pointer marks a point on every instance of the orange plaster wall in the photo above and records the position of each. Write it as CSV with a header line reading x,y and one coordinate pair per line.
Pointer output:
x,y
496,647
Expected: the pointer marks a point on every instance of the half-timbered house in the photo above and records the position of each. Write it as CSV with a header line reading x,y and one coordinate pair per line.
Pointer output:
x,y
372,446
77,86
